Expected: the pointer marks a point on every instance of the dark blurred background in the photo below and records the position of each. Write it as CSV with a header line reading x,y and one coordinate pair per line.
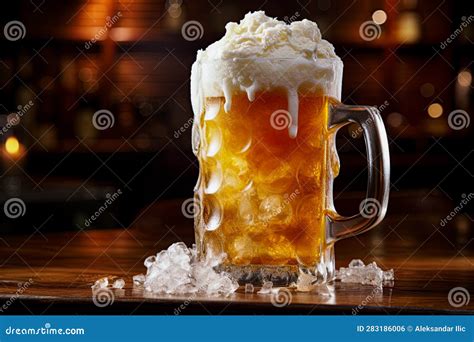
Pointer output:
x,y
61,62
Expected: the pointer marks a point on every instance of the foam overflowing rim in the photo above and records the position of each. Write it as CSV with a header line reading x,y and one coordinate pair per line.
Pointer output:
x,y
254,73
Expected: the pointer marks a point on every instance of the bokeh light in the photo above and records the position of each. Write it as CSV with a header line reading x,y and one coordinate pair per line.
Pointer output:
x,y
379,17
427,89
435,110
465,78
395,119
12,146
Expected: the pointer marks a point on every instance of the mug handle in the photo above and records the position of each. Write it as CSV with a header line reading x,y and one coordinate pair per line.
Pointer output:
x,y
373,208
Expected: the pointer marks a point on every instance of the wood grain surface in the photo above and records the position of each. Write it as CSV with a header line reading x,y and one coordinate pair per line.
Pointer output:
x,y
429,261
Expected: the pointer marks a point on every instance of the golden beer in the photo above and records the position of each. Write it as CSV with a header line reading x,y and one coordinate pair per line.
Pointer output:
x,y
263,193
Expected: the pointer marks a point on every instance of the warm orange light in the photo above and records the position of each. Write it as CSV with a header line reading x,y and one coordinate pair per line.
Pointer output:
x,y
408,30
435,110
12,146
122,34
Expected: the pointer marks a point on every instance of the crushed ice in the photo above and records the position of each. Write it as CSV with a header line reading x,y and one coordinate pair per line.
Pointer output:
x,y
305,283
119,284
100,283
266,288
359,273
249,288
138,279
177,270
103,283
309,283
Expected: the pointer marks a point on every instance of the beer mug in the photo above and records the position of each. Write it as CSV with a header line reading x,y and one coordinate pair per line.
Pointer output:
x,y
267,162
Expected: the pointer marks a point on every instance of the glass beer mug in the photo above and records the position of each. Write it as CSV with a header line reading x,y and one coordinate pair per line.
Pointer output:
x,y
265,188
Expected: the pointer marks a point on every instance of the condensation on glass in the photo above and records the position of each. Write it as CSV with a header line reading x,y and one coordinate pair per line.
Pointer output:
x,y
264,196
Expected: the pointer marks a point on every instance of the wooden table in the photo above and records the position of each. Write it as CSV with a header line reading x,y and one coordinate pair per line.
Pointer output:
x,y
429,261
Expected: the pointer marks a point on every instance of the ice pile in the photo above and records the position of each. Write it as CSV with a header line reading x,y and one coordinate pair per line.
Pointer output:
x,y
177,270
359,273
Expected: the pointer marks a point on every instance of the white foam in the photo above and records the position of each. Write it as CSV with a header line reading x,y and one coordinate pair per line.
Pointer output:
x,y
262,53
